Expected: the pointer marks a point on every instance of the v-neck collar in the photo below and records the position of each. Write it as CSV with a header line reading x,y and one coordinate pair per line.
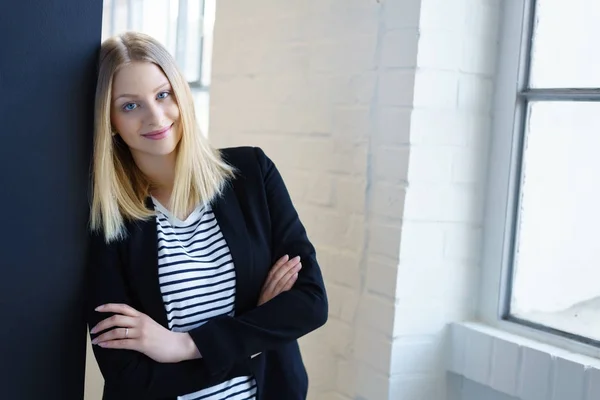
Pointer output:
x,y
194,215
143,255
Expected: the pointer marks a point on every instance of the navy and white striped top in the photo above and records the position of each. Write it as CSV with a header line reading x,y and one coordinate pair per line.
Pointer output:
x,y
197,282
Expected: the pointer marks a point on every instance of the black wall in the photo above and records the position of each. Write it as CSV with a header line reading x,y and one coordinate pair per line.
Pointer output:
x,y
48,52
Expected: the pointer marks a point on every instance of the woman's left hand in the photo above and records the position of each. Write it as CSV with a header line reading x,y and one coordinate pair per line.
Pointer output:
x,y
134,330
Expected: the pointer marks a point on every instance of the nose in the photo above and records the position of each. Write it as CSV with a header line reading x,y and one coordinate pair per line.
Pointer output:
x,y
154,115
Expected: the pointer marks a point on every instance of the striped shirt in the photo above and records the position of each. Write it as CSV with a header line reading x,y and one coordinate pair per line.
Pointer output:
x,y
197,282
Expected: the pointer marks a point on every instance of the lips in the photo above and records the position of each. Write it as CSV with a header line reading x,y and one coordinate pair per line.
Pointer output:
x,y
158,134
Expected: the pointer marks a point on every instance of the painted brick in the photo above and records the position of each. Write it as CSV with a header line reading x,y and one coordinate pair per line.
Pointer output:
x,y
387,200
421,239
536,368
348,159
382,275
475,93
440,50
416,387
436,89
332,396
343,302
347,377
443,203
319,190
371,384
440,128
399,48
339,336
415,356
384,239
392,126
396,88
430,164
478,357
457,351
377,313
445,15
350,194
423,319
462,242
340,267
343,88
505,366
352,123
390,164
593,384
344,22
323,364
374,349
478,56
482,18
414,277
568,380
401,14
466,164
354,54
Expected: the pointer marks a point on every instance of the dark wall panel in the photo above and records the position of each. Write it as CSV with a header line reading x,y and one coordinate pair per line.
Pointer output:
x,y
48,51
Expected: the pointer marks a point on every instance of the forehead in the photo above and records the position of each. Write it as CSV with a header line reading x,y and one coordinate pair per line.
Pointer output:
x,y
138,78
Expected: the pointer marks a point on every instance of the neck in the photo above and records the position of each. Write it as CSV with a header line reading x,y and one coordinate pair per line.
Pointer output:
x,y
160,170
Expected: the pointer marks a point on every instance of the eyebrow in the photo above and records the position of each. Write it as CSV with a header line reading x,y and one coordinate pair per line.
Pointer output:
x,y
133,95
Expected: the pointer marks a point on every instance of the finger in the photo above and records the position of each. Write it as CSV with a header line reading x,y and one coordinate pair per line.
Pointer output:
x,y
284,279
290,283
118,309
278,264
127,344
117,334
285,268
275,280
114,321
281,261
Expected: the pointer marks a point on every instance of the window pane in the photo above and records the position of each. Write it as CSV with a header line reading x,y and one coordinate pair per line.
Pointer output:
x,y
159,19
565,44
557,259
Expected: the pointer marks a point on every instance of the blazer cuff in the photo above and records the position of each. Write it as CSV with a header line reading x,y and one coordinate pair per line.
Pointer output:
x,y
218,345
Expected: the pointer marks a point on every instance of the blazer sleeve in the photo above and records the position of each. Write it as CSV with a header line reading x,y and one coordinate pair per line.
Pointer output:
x,y
130,374
285,318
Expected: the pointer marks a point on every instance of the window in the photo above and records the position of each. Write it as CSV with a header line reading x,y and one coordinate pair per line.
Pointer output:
x,y
553,230
184,27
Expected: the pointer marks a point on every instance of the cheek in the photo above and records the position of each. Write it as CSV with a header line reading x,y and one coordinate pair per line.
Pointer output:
x,y
125,125
174,113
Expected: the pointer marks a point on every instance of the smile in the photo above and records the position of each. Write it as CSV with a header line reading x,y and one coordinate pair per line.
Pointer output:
x,y
158,134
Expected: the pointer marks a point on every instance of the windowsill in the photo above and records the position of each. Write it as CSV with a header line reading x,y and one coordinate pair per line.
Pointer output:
x,y
521,367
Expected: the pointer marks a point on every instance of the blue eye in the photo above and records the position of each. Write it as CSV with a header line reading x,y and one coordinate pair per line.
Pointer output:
x,y
129,106
163,95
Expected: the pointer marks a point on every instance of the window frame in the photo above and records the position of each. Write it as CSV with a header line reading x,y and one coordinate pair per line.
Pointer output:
x,y
180,42
511,98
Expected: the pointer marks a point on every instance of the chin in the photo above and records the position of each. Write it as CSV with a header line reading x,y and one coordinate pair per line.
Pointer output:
x,y
162,148
163,152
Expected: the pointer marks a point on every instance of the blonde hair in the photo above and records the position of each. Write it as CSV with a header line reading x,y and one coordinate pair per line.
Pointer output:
x,y
119,188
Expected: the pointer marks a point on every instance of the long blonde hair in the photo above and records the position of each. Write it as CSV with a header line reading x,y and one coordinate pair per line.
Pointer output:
x,y
119,188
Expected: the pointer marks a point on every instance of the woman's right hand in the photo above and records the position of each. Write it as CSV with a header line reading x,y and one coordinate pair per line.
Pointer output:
x,y
281,278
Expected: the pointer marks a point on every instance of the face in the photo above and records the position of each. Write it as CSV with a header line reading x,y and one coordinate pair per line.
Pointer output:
x,y
144,111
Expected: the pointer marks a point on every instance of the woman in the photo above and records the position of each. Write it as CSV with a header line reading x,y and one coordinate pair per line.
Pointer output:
x,y
183,301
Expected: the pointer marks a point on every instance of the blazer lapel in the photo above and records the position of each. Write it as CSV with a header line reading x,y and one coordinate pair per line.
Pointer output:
x,y
143,257
231,220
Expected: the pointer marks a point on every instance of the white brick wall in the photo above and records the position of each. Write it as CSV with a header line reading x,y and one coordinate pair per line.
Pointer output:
x,y
377,113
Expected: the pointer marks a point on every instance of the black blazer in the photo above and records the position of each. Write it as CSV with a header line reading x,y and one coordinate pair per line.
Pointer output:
x,y
260,225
